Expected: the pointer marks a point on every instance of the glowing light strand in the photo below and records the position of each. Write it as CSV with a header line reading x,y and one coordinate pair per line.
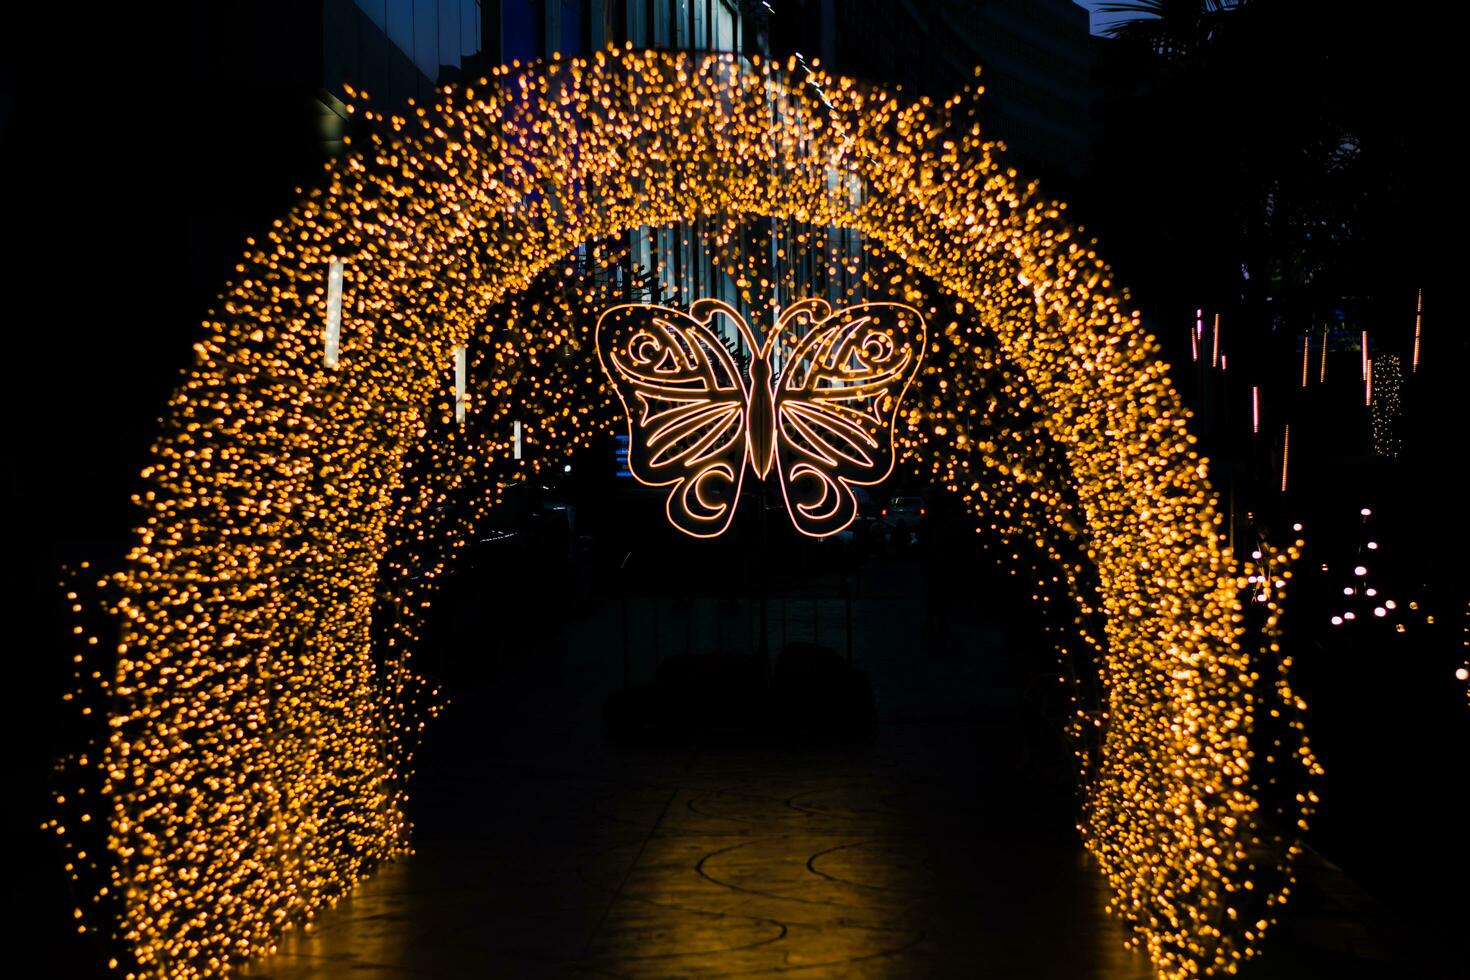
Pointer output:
x,y
332,329
824,419
1418,324
1285,454
260,705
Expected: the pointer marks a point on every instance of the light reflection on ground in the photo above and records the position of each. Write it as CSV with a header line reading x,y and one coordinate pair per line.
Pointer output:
x,y
937,847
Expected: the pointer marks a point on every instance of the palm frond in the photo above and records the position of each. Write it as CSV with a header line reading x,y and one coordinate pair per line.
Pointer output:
x,y
1175,29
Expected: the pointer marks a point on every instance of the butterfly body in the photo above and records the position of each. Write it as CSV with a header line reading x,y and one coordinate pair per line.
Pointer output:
x,y
816,407
761,409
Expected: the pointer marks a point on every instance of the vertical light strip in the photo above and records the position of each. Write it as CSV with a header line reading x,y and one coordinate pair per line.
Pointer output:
x,y
1285,455
1418,321
516,443
1322,375
1255,408
1306,355
460,372
1215,347
1365,355
1198,332
1231,507
332,336
1367,382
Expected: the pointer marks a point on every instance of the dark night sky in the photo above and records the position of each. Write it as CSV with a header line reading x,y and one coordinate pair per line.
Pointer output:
x,y
103,141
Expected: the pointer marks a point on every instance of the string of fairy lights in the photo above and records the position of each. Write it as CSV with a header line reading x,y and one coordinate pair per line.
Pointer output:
x,y
414,335
1383,378
1462,672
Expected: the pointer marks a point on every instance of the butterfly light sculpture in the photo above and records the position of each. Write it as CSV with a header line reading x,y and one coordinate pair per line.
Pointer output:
x,y
817,405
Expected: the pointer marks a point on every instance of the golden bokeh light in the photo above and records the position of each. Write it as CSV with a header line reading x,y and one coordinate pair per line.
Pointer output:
x,y
254,670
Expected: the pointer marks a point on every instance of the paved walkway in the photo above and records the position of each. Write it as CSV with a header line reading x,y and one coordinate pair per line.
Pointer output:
x,y
926,850
736,857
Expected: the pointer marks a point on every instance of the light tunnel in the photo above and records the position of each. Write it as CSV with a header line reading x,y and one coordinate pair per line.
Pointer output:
x,y
260,711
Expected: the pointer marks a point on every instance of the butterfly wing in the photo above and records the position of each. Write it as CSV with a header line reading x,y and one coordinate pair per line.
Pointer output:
x,y
836,399
686,405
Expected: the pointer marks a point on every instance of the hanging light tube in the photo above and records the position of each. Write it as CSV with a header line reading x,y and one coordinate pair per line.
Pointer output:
x,y
1285,455
459,383
1418,321
332,334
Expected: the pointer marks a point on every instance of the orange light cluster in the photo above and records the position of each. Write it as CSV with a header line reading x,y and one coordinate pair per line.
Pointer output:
x,y
261,711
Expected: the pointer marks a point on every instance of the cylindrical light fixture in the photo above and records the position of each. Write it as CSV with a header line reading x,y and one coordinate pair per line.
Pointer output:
x,y
332,335
460,372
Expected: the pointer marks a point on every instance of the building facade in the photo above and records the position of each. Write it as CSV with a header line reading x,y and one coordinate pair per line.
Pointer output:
x,y
1036,59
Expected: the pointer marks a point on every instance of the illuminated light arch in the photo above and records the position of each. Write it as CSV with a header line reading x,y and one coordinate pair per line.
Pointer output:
x,y
258,735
